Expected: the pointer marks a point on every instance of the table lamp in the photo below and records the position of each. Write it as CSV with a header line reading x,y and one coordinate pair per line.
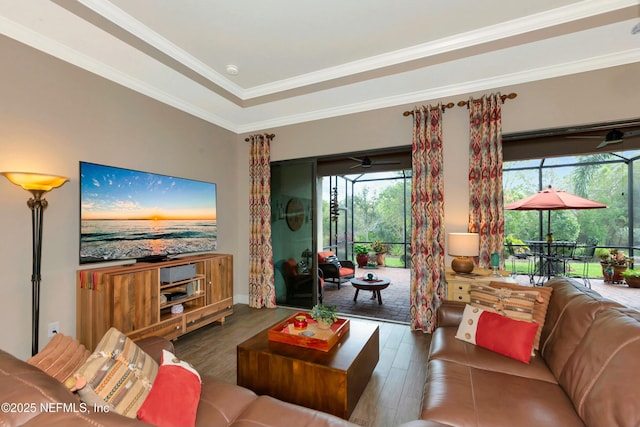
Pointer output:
x,y
462,246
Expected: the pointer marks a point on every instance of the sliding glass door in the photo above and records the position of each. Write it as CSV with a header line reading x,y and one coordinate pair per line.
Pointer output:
x,y
293,202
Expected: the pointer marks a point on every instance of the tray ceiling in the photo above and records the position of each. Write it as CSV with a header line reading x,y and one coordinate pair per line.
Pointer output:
x,y
302,60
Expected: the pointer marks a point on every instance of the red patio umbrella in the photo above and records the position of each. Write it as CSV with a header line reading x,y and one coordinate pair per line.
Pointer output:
x,y
551,199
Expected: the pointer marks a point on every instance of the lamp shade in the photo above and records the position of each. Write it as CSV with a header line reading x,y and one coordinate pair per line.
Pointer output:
x,y
35,181
464,244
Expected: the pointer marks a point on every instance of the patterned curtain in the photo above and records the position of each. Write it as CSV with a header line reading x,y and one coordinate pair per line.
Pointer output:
x,y
486,215
261,279
428,287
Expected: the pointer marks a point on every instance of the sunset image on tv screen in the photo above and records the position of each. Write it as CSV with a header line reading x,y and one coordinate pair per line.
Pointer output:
x,y
127,214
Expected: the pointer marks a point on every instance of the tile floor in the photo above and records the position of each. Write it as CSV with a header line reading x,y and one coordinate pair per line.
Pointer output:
x,y
395,298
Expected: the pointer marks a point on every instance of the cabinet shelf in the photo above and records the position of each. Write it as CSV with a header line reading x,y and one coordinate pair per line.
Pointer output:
x,y
188,298
181,282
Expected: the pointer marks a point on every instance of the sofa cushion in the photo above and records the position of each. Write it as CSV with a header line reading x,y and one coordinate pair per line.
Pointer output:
x,y
444,346
600,377
515,304
154,346
173,399
460,395
539,307
118,373
267,411
221,403
61,357
224,404
23,383
345,271
570,314
509,337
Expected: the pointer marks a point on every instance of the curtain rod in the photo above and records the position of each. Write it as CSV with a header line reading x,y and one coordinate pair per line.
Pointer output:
x,y
463,103
444,107
267,135
503,97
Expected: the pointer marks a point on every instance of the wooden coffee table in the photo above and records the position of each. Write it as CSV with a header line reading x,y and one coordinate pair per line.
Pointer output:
x,y
330,381
371,285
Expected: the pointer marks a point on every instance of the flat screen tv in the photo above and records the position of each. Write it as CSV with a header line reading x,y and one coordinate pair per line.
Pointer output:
x,y
127,214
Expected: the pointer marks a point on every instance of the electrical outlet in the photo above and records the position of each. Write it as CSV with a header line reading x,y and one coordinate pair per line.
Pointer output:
x,y
54,328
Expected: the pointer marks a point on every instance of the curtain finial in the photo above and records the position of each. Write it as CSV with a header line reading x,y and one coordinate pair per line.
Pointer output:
x,y
269,136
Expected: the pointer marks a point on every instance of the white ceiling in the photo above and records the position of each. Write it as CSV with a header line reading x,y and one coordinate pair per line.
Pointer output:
x,y
302,60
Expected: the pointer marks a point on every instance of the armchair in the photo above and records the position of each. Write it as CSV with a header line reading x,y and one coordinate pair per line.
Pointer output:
x,y
298,284
335,269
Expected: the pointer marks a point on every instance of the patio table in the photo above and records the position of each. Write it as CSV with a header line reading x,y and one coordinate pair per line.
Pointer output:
x,y
550,255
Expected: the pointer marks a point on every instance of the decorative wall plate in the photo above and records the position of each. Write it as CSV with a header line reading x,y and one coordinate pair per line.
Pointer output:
x,y
295,213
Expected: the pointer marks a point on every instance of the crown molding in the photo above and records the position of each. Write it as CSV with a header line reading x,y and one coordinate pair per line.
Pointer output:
x,y
585,8
503,30
580,66
35,40
128,23
542,20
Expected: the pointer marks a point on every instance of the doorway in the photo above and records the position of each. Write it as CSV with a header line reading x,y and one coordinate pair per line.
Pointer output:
x,y
329,226
293,195
366,198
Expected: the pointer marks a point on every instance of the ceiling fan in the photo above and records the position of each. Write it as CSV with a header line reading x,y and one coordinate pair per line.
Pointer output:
x,y
614,136
366,162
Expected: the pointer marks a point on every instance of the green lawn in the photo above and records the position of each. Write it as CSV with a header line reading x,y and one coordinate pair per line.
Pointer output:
x,y
392,261
575,268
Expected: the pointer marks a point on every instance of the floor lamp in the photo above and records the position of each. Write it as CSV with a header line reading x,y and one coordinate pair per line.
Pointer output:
x,y
37,184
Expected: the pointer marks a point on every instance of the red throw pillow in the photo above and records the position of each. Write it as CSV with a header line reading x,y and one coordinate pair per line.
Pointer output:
x,y
174,396
322,256
509,337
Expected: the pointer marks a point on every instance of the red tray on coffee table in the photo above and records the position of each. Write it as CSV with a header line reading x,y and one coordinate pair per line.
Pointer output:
x,y
313,337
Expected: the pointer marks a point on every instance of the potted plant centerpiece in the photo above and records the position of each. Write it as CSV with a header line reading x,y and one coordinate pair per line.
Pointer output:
x,y
380,249
614,264
362,254
325,315
632,277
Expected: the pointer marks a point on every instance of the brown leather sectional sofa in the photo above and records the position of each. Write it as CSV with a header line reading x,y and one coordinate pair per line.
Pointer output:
x,y
587,371
27,389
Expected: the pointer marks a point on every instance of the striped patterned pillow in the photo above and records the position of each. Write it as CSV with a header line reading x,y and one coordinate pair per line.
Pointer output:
x,y
118,373
61,357
515,304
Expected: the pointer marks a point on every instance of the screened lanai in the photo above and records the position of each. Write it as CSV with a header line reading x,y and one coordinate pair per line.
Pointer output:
x,y
367,207
609,178
375,206
362,204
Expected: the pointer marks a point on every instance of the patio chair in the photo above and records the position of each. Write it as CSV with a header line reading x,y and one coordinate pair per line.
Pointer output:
x,y
585,258
525,255
335,269
564,253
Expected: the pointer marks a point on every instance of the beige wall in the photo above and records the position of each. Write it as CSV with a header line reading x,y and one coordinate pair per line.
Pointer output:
x,y
54,115
598,96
